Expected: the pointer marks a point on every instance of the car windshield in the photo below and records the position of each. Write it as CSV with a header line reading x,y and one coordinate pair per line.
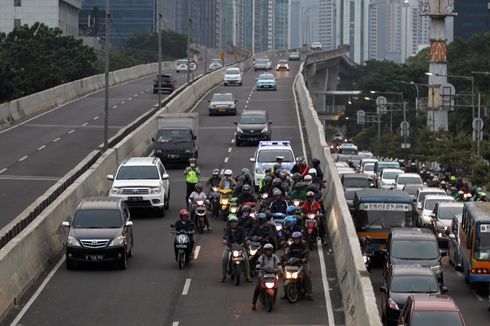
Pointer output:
x,y
216,61
261,61
222,97
174,136
356,183
137,173
436,318
391,175
447,213
430,203
266,77
283,61
403,180
270,155
233,71
252,119
482,250
381,219
422,194
415,249
414,284
349,195
388,165
97,219
369,167
182,62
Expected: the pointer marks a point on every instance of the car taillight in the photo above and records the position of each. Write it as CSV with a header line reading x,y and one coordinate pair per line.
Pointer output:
x,y
479,270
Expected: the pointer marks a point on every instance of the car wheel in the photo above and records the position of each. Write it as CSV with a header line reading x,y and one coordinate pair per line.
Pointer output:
x,y
167,200
241,84
238,143
159,211
123,262
70,264
130,252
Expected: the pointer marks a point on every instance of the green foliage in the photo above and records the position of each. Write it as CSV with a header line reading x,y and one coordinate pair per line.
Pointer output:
x,y
144,46
36,58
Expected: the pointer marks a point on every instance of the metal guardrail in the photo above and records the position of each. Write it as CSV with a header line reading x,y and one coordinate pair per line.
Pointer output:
x,y
24,222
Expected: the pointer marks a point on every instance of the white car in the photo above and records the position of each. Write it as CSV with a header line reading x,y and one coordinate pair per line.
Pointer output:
x,y
266,154
294,55
316,46
233,76
428,206
421,193
143,183
215,64
408,179
182,65
387,178
368,169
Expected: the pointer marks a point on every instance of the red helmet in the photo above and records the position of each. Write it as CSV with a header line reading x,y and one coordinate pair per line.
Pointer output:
x,y
184,212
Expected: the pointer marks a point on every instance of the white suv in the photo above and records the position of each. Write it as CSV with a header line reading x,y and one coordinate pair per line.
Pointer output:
x,y
266,154
233,76
143,183
182,65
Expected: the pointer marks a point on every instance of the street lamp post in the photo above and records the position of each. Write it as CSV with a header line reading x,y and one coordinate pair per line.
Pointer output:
x,y
106,75
159,61
189,26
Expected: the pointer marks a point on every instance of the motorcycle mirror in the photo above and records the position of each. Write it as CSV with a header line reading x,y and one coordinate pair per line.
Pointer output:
x,y
383,289
444,289
172,226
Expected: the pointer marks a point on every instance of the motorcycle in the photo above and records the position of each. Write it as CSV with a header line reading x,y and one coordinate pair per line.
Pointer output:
x,y
235,259
200,211
254,252
279,222
298,203
268,289
224,201
311,226
293,285
182,247
233,206
367,252
214,200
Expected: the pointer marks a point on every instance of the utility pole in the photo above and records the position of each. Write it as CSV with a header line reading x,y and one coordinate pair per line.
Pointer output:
x,y
159,60
106,75
479,132
206,39
189,25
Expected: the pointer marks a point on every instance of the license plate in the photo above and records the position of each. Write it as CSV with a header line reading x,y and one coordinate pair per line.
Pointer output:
x,y
173,155
135,198
266,86
181,246
94,257
221,110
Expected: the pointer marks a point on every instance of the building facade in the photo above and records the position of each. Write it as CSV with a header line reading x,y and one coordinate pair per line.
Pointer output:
x,y
473,17
294,24
271,25
54,13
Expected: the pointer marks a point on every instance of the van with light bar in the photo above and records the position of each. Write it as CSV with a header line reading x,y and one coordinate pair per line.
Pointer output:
x,y
376,211
266,154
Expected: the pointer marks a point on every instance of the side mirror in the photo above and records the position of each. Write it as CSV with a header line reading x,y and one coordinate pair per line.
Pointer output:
x,y
270,122
452,236
236,101
129,223
235,123
383,289
110,177
165,176
153,139
252,160
209,101
194,137
443,253
66,224
443,289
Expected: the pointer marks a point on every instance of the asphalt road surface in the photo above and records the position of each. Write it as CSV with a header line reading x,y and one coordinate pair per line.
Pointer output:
x,y
153,291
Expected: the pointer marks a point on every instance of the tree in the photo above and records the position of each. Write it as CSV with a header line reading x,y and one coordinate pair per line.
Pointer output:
x,y
144,46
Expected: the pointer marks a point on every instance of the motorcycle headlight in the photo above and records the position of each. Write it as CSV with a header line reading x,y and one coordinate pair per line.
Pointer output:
x,y
224,201
236,253
188,151
311,216
116,191
200,202
158,151
269,285
215,189
117,241
265,195
293,275
252,215
296,202
278,227
233,210
253,252
72,242
155,191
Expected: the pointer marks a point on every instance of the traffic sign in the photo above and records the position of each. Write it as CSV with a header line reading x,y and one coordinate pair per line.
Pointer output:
x,y
477,124
381,110
361,117
406,145
192,66
404,125
477,135
381,101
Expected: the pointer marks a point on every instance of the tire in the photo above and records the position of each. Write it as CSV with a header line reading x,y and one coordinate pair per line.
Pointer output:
x,y
181,260
292,293
123,262
160,212
269,302
70,264
196,154
238,271
200,226
167,201
238,143
130,252
466,275
241,84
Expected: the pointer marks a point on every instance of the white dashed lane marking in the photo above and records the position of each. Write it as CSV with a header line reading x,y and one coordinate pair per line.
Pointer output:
x,y
41,148
115,107
187,285
123,102
96,117
129,99
226,159
56,139
3,170
86,123
229,149
23,158
71,131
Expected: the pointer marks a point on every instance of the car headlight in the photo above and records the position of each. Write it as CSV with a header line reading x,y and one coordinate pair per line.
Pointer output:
x,y
116,191
72,242
437,269
188,151
239,129
155,191
265,129
117,241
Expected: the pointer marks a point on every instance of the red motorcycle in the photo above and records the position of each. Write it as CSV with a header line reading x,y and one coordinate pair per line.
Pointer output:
x,y
311,228
268,290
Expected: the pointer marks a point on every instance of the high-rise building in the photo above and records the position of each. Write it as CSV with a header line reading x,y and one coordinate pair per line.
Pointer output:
x,y
473,17
294,25
203,23
327,24
271,25
54,13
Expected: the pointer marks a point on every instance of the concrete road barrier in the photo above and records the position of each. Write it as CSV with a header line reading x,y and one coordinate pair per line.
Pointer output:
x,y
27,256
357,292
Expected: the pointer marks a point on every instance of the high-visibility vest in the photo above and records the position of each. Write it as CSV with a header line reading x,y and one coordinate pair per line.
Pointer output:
x,y
192,177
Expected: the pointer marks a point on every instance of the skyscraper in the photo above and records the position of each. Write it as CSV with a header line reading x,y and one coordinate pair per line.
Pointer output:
x,y
271,25
294,25
327,24
203,24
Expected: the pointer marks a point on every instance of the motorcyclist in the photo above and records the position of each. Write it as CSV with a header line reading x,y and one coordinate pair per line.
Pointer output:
x,y
263,230
246,196
291,220
277,184
319,173
299,191
192,174
214,180
278,164
267,263
278,205
238,186
196,195
266,184
311,206
287,182
227,182
245,220
296,177
233,234
314,177
298,249
300,167
184,223
246,174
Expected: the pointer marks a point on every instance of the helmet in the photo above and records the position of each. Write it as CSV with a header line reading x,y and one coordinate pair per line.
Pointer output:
x,y
315,161
198,187
232,219
300,160
312,171
246,188
261,217
228,173
483,194
307,178
268,179
268,246
246,208
277,182
296,176
297,235
453,178
276,192
216,172
310,195
283,174
291,210
245,171
192,160
183,213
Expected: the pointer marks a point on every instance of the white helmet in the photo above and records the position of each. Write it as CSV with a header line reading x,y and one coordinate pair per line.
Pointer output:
x,y
312,171
228,173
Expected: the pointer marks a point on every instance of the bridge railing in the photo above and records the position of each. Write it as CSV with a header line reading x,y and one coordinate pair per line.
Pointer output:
x,y
357,292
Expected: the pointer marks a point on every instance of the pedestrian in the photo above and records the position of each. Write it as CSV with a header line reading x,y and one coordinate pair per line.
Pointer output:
x,y
192,174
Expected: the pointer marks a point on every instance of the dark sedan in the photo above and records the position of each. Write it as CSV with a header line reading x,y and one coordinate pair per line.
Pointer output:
x,y
253,126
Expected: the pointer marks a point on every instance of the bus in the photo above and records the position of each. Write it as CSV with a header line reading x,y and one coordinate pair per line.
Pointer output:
x,y
474,244
376,211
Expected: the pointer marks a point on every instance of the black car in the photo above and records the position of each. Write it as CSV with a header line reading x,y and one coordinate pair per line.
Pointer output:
x,y
413,246
253,126
101,231
401,282
167,84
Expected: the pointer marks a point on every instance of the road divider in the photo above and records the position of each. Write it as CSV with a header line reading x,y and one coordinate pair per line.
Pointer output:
x,y
26,256
357,291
